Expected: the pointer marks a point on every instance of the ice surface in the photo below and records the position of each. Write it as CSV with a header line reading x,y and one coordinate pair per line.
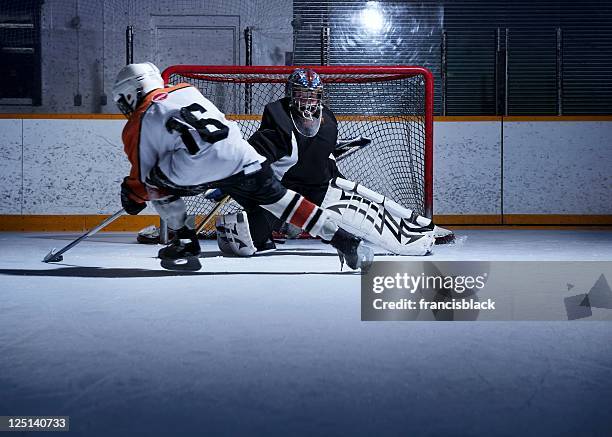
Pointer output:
x,y
274,345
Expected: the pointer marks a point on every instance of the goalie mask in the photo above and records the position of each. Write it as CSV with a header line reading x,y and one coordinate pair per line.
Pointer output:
x,y
133,82
305,92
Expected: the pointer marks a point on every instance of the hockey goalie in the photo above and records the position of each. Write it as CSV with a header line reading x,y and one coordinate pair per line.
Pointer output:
x,y
298,135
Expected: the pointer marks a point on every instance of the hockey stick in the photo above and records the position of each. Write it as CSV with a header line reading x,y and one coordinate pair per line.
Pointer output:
x,y
57,256
212,213
345,148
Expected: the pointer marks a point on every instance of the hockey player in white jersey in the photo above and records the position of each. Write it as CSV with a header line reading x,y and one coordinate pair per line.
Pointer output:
x,y
180,144
299,137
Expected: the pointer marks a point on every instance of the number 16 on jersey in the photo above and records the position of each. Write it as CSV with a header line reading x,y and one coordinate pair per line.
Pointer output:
x,y
210,130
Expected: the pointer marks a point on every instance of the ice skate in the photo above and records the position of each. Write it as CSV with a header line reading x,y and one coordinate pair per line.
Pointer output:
x,y
185,243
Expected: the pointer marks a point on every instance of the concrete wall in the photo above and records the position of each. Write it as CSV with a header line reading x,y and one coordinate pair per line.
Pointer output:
x,y
76,166
83,43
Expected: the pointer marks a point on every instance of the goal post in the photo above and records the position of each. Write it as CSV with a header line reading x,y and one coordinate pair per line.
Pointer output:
x,y
391,105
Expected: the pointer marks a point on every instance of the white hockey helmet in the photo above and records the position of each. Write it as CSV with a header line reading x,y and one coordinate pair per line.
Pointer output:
x,y
133,82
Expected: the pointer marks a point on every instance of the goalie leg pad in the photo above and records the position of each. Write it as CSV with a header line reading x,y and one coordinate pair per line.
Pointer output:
x,y
373,222
414,220
393,207
233,234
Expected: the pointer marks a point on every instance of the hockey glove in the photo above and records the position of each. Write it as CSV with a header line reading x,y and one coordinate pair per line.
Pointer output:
x,y
131,206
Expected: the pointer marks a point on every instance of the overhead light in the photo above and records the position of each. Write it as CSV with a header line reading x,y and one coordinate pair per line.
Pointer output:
x,y
372,17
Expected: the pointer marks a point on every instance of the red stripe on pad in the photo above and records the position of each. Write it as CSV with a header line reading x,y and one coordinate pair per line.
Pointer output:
x,y
301,214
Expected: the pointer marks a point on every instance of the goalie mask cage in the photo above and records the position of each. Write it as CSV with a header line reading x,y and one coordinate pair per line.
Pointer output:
x,y
392,106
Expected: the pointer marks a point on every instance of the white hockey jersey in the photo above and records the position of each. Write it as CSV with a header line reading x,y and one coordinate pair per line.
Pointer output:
x,y
191,141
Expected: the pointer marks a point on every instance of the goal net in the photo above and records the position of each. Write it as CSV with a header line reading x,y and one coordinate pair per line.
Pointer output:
x,y
392,106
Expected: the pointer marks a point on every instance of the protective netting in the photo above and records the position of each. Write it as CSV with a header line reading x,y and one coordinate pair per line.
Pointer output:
x,y
389,109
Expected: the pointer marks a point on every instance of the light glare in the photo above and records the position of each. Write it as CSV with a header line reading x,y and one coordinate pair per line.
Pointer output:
x,y
372,18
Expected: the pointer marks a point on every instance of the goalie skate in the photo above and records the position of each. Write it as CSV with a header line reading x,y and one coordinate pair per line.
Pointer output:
x,y
443,235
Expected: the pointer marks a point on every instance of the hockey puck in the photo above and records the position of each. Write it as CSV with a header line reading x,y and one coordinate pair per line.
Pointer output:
x,y
190,263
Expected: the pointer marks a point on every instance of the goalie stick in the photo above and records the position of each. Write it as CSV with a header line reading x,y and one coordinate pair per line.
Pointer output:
x,y
345,148
57,256
213,212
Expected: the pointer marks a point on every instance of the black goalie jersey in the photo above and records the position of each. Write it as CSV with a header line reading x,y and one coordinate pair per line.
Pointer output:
x,y
303,164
